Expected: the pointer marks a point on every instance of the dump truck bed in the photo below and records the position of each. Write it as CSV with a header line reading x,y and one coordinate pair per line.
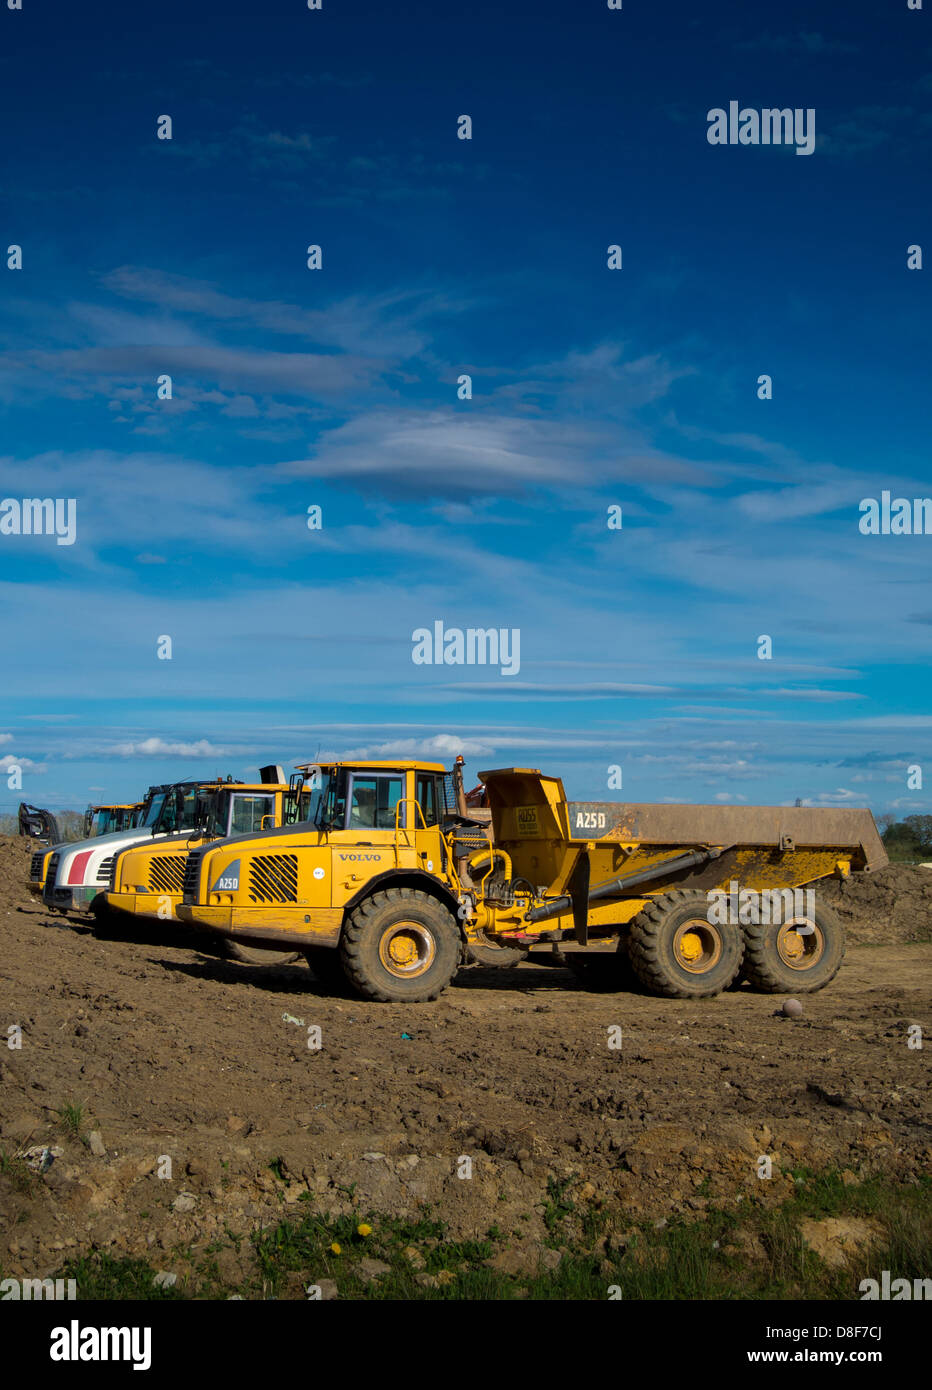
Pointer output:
x,y
777,827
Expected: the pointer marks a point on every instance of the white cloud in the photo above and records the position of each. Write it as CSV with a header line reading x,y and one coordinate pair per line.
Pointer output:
x,y
440,746
840,797
160,748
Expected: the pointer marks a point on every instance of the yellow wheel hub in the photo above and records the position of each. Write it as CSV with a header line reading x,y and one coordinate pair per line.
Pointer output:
x,y
691,946
402,950
407,949
800,944
697,946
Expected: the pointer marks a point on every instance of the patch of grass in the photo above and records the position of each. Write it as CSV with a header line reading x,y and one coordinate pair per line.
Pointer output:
x,y
15,1168
101,1276
743,1253
72,1119
557,1206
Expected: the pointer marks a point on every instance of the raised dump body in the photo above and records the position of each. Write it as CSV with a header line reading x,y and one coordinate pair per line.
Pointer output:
x,y
690,893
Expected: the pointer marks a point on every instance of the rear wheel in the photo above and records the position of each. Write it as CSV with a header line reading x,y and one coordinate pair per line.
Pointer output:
x,y
676,951
798,956
256,955
400,946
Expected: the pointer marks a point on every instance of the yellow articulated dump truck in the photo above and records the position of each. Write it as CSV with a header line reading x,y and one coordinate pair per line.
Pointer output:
x,y
104,820
146,877
390,884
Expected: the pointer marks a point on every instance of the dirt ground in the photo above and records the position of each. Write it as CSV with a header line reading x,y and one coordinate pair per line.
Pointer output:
x,y
173,1053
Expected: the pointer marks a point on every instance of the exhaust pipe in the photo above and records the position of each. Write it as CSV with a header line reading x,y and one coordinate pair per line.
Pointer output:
x,y
618,887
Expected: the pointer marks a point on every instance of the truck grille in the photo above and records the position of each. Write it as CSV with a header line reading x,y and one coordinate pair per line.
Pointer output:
x,y
273,878
52,873
106,867
192,868
167,873
35,866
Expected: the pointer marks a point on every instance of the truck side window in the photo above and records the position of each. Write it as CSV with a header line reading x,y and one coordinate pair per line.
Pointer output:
x,y
248,812
426,792
374,801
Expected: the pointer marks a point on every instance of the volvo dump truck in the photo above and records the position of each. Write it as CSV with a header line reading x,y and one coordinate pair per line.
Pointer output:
x,y
146,878
103,820
379,880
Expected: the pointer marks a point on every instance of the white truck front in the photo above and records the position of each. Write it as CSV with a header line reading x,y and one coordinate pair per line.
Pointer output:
x,y
78,872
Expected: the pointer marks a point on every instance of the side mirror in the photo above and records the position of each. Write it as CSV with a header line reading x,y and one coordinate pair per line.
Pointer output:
x,y
268,823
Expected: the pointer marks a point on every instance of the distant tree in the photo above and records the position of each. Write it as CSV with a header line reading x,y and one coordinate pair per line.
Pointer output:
x,y
909,840
920,827
71,824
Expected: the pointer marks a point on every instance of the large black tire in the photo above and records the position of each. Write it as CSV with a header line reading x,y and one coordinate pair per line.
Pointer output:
x,y
110,925
400,946
604,972
256,955
486,952
778,959
327,965
677,952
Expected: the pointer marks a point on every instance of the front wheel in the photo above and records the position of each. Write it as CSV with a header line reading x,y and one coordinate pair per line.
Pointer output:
x,y
798,956
256,955
676,951
487,951
400,946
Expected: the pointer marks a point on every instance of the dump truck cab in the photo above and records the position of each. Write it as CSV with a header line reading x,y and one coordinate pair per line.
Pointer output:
x,y
104,820
78,872
377,832
146,878
98,820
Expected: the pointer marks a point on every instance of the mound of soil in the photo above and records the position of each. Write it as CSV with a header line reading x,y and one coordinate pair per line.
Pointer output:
x,y
892,905
15,853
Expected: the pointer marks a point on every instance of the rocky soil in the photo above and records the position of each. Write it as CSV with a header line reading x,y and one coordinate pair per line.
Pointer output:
x,y
198,1106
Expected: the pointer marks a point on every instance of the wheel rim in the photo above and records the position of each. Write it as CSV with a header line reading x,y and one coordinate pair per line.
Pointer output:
x,y
800,943
406,950
697,946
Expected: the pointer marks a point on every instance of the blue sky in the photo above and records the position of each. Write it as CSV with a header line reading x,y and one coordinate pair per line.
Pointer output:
x,y
591,387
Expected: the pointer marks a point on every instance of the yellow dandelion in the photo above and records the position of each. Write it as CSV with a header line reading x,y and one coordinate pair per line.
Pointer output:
x,y
335,1248
364,1230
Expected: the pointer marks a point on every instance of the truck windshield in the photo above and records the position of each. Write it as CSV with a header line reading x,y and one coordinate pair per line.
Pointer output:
x,y
212,813
314,800
173,811
155,809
